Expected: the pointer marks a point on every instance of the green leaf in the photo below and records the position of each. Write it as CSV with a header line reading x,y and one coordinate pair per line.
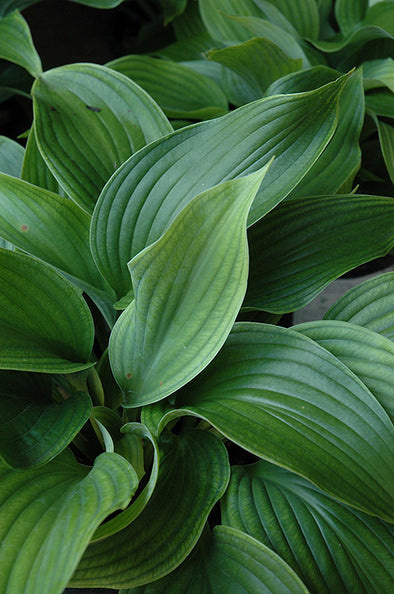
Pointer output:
x,y
188,289
286,399
10,5
386,139
180,92
380,102
215,13
302,14
349,14
379,73
49,514
194,473
368,354
303,80
11,156
332,547
35,170
258,62
304,244
16,44
162,178
45,325
172,9
49,227
228,561
88,119
34,429
369,304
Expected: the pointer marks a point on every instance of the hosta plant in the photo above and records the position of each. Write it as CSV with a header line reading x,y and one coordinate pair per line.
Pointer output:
x,y
160,430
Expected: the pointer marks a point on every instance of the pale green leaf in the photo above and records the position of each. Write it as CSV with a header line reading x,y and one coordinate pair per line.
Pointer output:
x,y
258,62
11,156
369,304
188,289
194,473
35,170
180,92
48,516
386,139
151,188
379,73
16,44
228,561
368,354
34,429
305,243
286,399
332,547
45,325
349,14
88,119
49,227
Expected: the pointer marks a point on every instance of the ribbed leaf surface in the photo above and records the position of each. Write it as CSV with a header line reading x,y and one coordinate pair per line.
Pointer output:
x,y
88,120
16,44
11,156
35,170
333,548
286,399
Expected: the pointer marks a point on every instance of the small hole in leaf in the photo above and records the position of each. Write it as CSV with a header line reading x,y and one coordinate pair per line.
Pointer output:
x,y
24,228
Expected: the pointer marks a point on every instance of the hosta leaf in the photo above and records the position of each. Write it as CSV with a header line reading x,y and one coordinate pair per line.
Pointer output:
x,y
9,5
342,155
180,92
16,44
369,304
189,23
288,400
380,102
153,183
332,547
11,156
35,430
194,473
49,514
172,9
49,227
303,80
88,119
386,139
302,14
258,62
188,289
45,325
228,561
368,354
215,15
304,244
349,14
381,14
379,73
35,170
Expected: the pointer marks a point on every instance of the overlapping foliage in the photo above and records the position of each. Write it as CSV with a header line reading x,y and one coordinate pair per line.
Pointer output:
x,y
155,437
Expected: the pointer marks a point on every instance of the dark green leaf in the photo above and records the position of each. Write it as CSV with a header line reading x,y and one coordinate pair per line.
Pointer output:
x,y
172,9
349,14
16,44
35,170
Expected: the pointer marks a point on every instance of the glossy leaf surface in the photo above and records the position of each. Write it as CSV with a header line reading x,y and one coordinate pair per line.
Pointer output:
x,y
193,475
332,547
304,244
188,289
151,188
35,170
370,304
386,139
45,325
11,156
286,399
16,44
45,530
88,119
228,561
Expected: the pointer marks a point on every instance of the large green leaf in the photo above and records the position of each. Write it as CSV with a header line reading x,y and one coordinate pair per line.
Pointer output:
x,y
49,514
304,244
88,119
332,547
368,354
35,170
45,325
258,62
49,227
11,156
369,304
35,429
194,473
386,139
303,80
215,15
288,400
188,287
302,14
228,561
16,44
180,92
379,73
349,14
152,187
